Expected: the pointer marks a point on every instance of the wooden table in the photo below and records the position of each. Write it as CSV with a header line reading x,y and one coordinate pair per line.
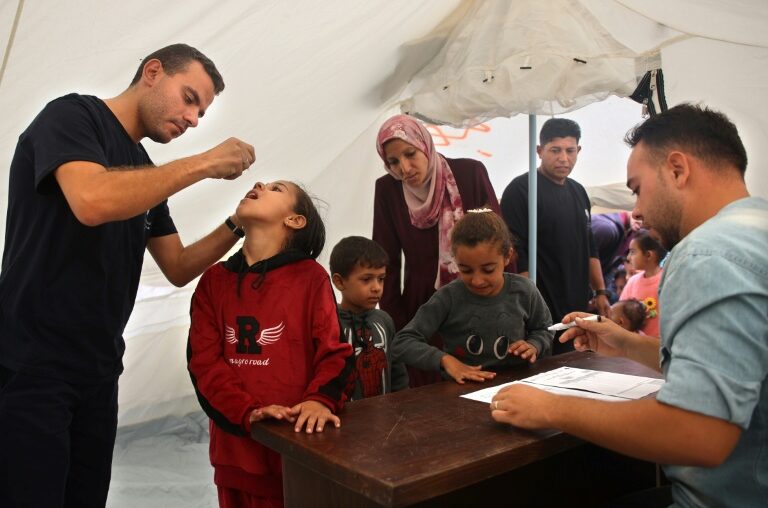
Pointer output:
x,y
427,446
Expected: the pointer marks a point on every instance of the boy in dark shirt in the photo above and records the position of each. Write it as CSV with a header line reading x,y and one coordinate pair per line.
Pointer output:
x,y
358,267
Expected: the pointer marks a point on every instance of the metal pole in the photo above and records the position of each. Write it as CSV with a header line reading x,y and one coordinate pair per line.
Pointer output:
x,y
532,194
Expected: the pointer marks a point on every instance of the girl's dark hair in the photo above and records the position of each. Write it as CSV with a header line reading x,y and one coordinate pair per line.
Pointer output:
x,y
479,227
311,238
647,243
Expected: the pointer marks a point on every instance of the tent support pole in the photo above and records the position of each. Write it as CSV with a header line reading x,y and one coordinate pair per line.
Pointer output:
x,y
532,195
11,39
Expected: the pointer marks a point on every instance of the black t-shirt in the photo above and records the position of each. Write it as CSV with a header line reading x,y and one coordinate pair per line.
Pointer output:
x,y
564,240
68,289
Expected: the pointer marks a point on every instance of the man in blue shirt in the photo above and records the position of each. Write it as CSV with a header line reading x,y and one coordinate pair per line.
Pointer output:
x,y
709,422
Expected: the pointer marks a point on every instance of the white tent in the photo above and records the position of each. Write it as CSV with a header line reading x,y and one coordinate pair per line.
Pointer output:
x,y
308,84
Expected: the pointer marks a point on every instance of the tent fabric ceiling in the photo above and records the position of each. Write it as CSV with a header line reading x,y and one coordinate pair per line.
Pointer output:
x,y
308,83
738,21
501,60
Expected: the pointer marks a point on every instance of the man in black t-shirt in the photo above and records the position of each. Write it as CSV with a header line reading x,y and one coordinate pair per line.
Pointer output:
x,y
567,259
84,202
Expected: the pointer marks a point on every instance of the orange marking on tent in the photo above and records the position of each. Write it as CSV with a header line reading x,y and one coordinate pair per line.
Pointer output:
x,y
486,154
440,138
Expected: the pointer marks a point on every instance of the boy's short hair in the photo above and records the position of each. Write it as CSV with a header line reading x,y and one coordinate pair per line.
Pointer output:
x,y
634,310
356,250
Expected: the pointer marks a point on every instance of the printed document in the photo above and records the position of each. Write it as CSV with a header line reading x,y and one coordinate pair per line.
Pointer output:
x,y
594,384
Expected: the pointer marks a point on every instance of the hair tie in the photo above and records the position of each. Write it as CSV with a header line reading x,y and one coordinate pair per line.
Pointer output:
x,y
479,210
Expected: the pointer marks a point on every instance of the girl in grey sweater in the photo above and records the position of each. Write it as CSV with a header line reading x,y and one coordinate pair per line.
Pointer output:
x,y
488,319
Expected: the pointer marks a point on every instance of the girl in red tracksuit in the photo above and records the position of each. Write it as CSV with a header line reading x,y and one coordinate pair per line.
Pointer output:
x,y
264,342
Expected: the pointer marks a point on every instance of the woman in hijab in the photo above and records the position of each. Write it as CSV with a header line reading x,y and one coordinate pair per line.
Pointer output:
x,y
415,207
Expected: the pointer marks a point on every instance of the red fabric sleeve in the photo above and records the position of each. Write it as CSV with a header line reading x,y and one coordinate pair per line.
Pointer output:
x,y
332,360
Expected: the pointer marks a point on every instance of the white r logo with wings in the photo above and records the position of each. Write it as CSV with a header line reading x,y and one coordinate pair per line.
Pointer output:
x,y
267,335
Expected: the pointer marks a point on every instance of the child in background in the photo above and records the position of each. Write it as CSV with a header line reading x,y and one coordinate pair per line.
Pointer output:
x,y
264,342
488,319
619,281
358,267
630,270
645,254
629,314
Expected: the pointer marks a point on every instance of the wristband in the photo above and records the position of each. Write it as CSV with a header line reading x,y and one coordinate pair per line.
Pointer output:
x,y
238,232
601,292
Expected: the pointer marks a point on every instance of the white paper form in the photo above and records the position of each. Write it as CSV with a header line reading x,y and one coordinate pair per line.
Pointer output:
x,y
592,384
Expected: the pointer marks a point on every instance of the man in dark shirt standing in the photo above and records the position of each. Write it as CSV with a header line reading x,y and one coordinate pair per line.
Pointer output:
x,y
567,258
84,202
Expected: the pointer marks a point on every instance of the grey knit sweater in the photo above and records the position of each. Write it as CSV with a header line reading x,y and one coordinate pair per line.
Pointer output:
x,y
473,327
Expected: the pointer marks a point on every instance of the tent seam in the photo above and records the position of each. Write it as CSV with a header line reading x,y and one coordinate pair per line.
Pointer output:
x,y
11,38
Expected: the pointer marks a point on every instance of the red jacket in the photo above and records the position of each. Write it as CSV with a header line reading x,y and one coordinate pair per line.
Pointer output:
x,y
261,335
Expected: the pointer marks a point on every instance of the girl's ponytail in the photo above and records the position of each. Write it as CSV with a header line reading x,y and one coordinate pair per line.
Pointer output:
x,y
310,239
